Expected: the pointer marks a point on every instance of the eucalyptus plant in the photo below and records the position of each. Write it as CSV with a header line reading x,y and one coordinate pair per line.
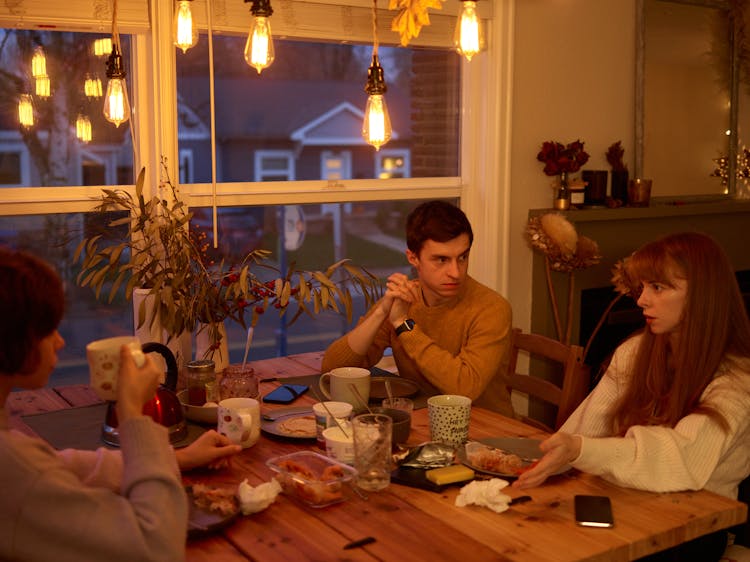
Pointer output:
x,y
159,251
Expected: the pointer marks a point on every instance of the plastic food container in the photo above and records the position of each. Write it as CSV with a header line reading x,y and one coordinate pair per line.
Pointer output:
x,y
312,478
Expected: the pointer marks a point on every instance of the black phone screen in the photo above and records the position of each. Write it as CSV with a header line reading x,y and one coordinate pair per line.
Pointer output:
x,y
593,511
285,394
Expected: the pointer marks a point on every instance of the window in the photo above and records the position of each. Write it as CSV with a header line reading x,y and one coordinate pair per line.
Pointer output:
x,y
280,137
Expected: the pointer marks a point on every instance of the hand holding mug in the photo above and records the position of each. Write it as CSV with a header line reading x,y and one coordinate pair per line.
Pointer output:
x,y
136,386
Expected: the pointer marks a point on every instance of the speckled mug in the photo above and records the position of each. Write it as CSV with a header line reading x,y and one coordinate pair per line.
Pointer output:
x,y
239,420
449,418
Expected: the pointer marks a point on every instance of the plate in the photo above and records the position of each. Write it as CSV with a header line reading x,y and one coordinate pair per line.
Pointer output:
x,y
202,521
523,447
275,428
400,387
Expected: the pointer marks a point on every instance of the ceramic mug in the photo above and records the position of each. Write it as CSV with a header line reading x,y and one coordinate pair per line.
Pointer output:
x,y
449,418
239,420
340,445
337,385
104,363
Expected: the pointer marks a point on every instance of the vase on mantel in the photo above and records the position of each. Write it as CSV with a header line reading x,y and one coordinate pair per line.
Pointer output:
x,y
207,337
562,193
148,331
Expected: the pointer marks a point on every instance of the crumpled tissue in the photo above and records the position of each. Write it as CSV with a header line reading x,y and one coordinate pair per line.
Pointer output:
x,y
255,499
485,493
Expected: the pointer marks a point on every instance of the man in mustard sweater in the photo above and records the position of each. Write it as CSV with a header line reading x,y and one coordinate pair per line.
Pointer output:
x,y
448,332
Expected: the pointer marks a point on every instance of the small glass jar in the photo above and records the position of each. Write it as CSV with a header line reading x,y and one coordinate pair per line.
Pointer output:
x,y
238,382
199,374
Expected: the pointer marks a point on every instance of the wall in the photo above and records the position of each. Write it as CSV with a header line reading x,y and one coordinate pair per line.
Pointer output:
x,y
573,77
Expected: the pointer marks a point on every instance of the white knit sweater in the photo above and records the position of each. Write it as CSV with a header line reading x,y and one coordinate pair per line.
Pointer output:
x,y
693,455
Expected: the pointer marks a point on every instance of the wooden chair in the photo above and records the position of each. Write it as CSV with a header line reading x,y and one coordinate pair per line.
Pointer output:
x,y
574,385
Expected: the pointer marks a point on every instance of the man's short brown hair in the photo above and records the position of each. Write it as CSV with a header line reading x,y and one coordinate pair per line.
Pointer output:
x,y
435,220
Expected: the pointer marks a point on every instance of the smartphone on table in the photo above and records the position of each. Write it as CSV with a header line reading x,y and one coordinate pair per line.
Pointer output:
x,y
285,394
593,511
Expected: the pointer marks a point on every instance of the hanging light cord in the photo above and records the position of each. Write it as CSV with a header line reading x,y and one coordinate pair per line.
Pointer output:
x,y
213,122
134,140
374,28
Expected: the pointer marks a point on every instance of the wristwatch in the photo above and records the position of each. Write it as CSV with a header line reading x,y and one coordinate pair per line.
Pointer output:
x,y
406,326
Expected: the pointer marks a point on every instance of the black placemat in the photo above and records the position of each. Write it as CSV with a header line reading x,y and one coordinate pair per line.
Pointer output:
x,y
81,428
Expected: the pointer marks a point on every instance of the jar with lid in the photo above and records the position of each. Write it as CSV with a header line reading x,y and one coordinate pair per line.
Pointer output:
x,y
238,381
199,374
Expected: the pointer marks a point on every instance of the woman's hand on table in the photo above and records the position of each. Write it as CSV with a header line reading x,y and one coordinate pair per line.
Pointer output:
x,y
559,450
211,449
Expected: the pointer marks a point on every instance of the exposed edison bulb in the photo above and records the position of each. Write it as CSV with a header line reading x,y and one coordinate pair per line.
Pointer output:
x,y
185,34
469,37
116,104
83,128
92,86
376,129
25,111
42,86
259,51
38,62
102,46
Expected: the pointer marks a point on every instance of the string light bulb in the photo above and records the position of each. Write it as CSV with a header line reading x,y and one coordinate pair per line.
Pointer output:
x,y
25,111
38,62
259,51
92,86
185,33
376,128
116,104
83,128
469,36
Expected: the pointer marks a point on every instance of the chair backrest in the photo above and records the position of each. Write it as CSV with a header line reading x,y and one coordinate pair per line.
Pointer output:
x,y
565,396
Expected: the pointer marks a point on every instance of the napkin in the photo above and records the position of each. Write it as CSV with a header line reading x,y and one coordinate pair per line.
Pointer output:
x,y
255,499
485,493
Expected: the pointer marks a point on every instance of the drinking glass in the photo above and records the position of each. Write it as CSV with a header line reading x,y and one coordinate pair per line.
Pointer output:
x,y
372,451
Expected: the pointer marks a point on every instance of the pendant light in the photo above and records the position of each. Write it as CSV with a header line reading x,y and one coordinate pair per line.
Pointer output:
x,y
25,111
38,62
103,46
185,33
469,36
259,52
376,129
116,103
92,86
83,128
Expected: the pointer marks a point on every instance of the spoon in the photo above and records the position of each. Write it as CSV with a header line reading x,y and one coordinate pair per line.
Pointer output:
x,y
325,407
359,397
249,340
388,391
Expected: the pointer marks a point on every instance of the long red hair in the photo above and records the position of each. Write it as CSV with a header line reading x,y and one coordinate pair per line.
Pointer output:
x,y
666,383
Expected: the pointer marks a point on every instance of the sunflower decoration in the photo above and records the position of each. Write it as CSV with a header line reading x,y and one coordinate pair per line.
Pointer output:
x,y
564,251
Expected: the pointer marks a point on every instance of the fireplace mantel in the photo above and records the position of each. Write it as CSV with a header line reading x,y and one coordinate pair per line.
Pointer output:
x,y
621,231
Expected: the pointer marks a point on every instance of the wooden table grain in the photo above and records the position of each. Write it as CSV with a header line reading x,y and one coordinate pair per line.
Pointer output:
x,y
414,524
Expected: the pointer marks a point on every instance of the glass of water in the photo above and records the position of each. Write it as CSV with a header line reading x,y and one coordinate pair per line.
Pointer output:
x,y
372,450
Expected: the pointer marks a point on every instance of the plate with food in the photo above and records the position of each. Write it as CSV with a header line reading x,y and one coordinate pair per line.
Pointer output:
x,y
211,508
400,387
506,457
296,425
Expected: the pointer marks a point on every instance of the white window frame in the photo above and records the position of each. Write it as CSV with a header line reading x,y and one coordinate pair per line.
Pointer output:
x,y
344,171
17,147
260,171
483,183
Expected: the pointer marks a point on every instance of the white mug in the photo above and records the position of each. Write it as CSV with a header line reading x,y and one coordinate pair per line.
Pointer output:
x,y
337,385
449,416
239,420
104,363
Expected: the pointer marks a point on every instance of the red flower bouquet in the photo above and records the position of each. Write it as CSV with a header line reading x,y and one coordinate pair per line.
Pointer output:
x,y
559,158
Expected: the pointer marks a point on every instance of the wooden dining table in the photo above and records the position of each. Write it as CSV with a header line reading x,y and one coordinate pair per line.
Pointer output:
x,y
409,523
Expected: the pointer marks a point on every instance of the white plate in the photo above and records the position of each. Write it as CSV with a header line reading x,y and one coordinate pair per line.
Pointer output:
x,y
274,427
524,448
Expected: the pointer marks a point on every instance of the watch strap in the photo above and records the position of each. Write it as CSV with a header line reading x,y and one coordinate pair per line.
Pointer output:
x,y
406,326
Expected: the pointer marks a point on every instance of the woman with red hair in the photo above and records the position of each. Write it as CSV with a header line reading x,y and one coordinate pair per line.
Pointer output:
x,y
672,411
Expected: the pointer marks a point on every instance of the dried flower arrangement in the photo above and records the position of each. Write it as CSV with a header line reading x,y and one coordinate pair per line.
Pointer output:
x,y
411,17
564,251
614,155
559,158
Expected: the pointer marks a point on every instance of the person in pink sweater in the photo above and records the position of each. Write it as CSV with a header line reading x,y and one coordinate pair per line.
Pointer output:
x,y
71,505
672,411
448,332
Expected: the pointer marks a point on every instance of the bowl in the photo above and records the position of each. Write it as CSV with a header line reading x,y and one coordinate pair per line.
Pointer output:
x,y
401,423
199,414
312,478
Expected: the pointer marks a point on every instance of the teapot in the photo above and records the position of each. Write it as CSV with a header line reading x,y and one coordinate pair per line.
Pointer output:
x,y
164,408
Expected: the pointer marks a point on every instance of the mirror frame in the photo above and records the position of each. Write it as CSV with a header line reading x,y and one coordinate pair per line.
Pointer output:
x,y
640,75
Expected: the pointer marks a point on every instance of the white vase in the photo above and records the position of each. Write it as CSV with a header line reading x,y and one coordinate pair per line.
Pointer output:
x,y
180,345
204,337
